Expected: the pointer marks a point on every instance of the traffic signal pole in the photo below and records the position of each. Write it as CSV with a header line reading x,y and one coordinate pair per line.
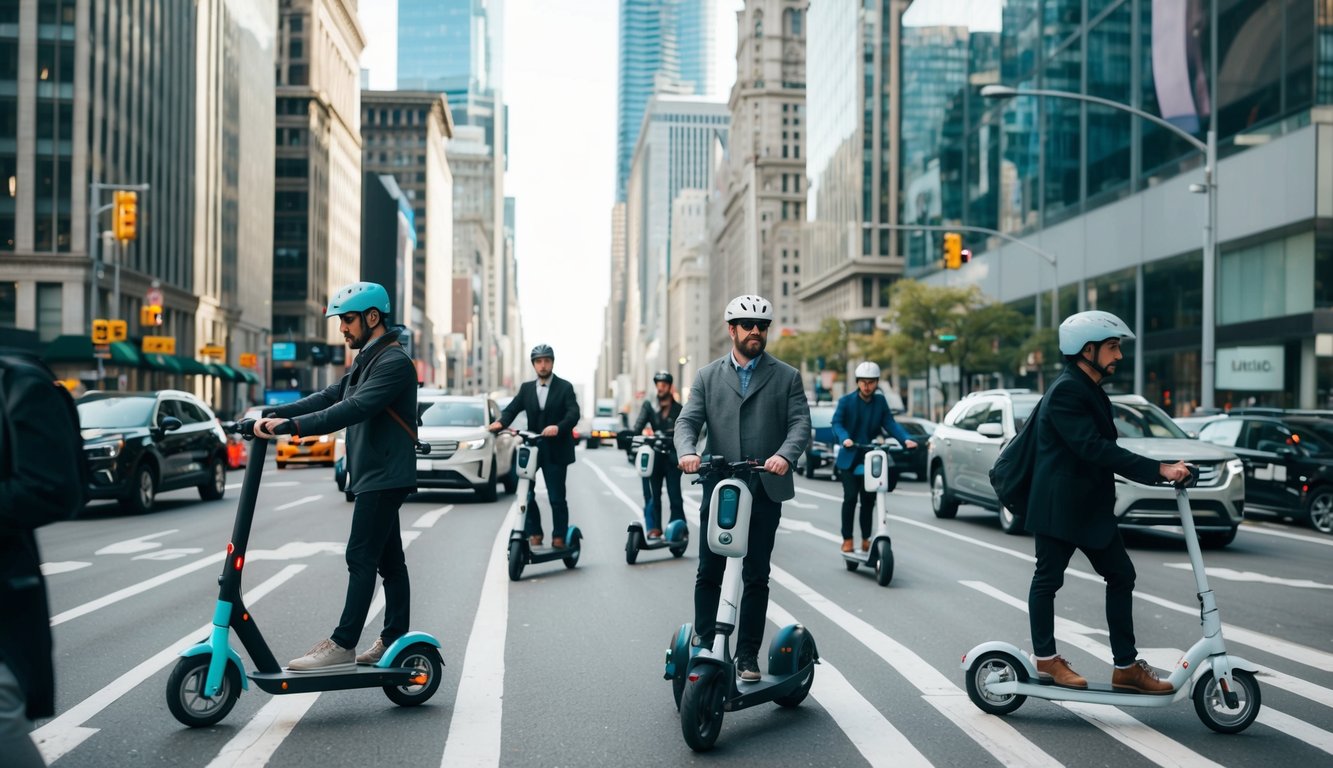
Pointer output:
x,y
95,211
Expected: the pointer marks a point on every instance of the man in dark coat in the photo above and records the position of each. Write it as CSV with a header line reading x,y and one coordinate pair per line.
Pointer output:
x,y
377,402
553,410
40,483
1072,500
658,416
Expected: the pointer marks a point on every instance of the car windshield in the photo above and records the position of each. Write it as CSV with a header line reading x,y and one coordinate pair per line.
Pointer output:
x,y
111,412
821,418
1144,420
454,415
1023,409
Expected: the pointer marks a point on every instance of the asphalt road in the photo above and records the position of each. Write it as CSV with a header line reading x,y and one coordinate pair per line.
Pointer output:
x,y
564,668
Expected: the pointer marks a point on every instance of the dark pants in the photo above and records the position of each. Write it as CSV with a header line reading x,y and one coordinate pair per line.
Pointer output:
x,y
1112,564
652,491
15,744
375,544
764,517
554,474
853,485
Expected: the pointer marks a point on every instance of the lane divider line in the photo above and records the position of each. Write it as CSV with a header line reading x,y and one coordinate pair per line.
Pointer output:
x,y
134,589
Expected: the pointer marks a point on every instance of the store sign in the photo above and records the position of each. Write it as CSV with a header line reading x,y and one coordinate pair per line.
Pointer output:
x,y
1251,369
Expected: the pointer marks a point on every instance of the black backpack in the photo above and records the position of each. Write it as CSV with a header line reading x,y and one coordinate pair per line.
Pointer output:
x,y
1011,476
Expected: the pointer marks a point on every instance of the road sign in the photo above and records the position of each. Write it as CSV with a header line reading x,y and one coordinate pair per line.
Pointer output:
x,y
102,351
153,296
162,345
213,351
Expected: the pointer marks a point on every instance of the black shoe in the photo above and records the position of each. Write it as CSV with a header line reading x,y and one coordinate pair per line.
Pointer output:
x,y
747,668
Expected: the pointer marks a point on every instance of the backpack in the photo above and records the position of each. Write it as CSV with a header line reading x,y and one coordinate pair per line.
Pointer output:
x,y
1011,476
40,442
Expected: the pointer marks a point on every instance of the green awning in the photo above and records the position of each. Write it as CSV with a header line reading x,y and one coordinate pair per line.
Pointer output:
x,y
79,349
168,363
189,365
225,372
250,377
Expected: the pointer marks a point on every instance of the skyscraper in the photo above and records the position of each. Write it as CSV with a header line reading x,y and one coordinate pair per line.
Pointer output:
x,y
666,46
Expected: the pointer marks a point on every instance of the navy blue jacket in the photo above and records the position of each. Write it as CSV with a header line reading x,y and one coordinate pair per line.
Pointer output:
x,y
862,423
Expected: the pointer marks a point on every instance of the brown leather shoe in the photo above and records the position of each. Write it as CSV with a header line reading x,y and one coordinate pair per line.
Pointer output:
x,y
557,543
865,545
1140,678
535,541
1058,671
848,545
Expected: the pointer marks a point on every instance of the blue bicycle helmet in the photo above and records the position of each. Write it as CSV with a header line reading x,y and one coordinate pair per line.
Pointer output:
x,y
358,297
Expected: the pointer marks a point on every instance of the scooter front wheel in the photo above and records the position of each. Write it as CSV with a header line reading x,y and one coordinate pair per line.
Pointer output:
x,y
632,545
1210,702
425,659
516,560
1004,668
701,707
883,562
185,692
575,545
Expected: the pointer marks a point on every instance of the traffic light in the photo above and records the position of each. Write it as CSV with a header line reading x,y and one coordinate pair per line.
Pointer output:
x,y
249,360
101,332
118,330
150,315
953,250
125,219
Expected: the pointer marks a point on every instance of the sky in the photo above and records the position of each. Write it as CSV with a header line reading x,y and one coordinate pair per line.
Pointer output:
x,y
560,85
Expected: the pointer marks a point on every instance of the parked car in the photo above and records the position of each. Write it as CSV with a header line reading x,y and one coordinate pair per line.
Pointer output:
x,y
966,444
308,449
464,453
820,453
139,444
1192,424
340,465
238,448
1288,462
910,460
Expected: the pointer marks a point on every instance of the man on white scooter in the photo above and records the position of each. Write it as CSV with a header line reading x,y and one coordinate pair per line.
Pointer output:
x,y
860,417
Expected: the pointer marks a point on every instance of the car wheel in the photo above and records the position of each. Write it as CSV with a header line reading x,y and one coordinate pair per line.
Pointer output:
x,y
1009,522
810,466
511,477
143,490
487,491
594,443
216,485
1319,510
1218,539
942,501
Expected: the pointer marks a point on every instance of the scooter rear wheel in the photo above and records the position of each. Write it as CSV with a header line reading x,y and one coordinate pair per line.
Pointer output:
x,y
1005,668
805,658
883,562
632,545
516,560
575,548
185,692
426,660
1211,706
701,707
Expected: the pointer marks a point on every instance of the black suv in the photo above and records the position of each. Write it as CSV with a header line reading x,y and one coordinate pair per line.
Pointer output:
x,y
1288,461
141,443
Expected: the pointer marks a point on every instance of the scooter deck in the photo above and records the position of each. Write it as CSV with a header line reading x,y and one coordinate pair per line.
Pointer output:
x,y
545,554
767,688
341,678
1094,688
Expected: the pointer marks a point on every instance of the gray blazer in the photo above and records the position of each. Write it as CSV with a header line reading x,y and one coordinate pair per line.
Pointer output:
x,y
772,419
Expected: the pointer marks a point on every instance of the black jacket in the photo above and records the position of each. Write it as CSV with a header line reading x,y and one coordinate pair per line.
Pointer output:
x,y
651,414
1073,480
40,482
562,410
381,453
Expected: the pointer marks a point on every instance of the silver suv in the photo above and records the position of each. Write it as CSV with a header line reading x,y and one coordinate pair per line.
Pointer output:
x,y
966,444
464,454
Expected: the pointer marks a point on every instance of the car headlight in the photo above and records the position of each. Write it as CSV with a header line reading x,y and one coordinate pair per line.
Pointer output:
x,y
473,445
104,450
1236,467
324,438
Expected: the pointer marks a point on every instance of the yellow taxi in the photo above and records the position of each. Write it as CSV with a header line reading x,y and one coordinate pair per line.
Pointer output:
x,y
313,449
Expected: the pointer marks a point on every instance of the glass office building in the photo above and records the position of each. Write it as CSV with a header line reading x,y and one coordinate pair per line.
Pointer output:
x,y
1107,195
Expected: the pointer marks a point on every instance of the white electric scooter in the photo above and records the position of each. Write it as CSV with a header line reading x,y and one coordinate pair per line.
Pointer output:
x,y
651,449
521,552
880,478
1000,677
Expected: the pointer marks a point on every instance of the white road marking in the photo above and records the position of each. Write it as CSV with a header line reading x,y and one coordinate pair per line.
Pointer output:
x,y
1227,574
1315,736
1149,743
298,502
67,731
429,519
131,546
63,566
298,550
280,484
1266,530
175,553
474,730
134,589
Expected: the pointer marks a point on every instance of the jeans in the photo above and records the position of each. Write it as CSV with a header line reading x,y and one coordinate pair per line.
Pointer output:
x,y
375,544
1112,564
15,744
853,485
764,517
652,493
554,474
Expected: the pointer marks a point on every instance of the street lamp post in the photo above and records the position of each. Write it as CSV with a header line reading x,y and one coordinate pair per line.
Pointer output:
x,y
1209,187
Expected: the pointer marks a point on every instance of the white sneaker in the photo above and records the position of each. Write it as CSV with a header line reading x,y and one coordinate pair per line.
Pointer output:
x,y
373,654
327,656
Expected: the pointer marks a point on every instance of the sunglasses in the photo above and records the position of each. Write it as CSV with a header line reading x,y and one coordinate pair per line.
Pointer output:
x,y
750,324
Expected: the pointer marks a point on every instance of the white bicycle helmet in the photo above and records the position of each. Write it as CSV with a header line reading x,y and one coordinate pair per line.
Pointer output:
x,y
867,370
1093,326
748,308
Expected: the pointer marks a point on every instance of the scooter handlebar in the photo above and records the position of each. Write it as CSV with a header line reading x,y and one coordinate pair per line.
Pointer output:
x,y
1188,482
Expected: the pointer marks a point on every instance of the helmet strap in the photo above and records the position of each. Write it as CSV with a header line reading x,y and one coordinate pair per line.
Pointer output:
x,y
1096,352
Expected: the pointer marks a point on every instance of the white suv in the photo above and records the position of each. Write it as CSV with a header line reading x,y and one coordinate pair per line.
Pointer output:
x,y
464,454
966,444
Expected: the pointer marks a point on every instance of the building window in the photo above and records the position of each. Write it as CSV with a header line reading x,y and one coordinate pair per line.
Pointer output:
x,y
48,311
9,304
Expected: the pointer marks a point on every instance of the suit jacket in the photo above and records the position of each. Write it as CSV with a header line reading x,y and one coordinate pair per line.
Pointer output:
x,y
562,410
772,419
846,424
1073,483
381,454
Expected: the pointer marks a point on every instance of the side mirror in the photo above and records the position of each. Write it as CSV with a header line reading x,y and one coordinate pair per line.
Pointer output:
x,y
990,429
169,424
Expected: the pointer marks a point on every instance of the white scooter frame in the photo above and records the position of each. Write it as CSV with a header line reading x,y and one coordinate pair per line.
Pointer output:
x,y
1226,695
879,481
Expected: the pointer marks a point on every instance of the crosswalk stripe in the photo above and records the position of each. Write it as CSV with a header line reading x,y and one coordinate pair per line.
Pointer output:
x,y
134,589
1149,743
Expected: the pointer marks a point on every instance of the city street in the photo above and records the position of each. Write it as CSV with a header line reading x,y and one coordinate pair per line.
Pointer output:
x,y
564,668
